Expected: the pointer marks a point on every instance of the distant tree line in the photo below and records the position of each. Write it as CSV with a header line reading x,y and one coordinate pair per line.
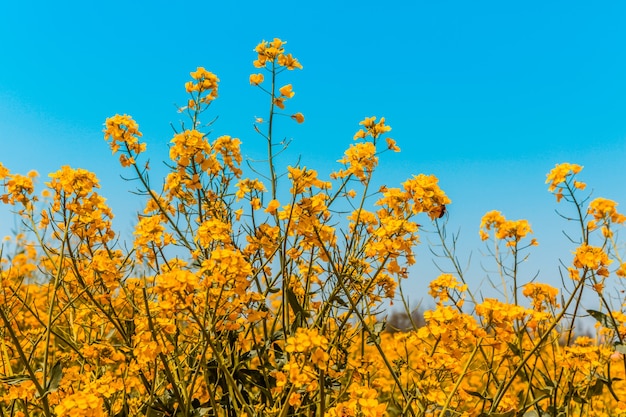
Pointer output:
x,y
401,321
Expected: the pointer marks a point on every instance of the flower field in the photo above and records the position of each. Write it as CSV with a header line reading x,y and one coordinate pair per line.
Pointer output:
x,y
253,289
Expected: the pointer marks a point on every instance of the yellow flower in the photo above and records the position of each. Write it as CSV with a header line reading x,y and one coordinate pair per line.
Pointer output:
x,y
309,342
295,399
83,403
255,203
279,102
560,173
123,131
360,159
360,135
228,148
440,287
272,206
592,257
511,231
207,82
391,144
372,128
287,91
274,53
603,209
298,117
248,186
492,219
500,314
256,79
288,61
4,172
542,295
19,188
214,230
303,179
149,229
426,195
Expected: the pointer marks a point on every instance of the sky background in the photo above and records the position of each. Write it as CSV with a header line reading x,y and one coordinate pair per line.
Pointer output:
x,y
486,95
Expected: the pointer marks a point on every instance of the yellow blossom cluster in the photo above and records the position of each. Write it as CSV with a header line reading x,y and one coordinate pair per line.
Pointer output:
x,y
604,213
512,231
360,159
274,53
81,404
150,232
426,196
363,402
372,128
304,179
441,287
542,295
204,84
310,342
560,174
76,203
122,131
593,258
19,188
243,296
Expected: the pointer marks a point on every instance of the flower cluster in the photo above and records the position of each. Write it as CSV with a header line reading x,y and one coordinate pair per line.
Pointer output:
x,y
204,85
442,288
273,53
592,258
541,295
560,175
512,231
122,131
264,296
604,213
19,188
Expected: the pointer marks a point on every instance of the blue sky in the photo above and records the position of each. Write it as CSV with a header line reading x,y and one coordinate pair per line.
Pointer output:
x,y
487,95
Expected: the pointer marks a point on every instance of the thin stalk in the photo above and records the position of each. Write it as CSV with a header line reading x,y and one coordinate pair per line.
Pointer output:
x,y
31,373
460,379
536,347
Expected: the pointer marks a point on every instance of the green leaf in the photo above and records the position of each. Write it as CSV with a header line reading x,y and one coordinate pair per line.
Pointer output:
x,y
294,304
56,373
379,327
544,394
478,394
602,318
547,380
515,349
595,389
55,377
374,337
15,379
337,299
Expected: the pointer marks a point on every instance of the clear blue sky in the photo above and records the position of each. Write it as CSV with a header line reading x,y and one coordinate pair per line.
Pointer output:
x,y
486,95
